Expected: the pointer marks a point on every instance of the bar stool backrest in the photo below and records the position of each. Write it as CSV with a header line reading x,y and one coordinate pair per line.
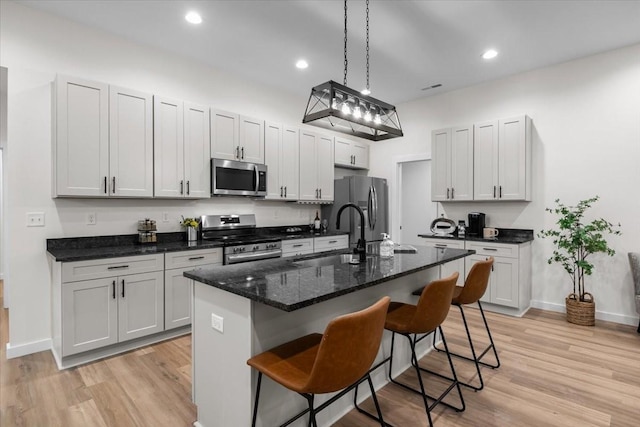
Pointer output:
x,y
476,284
433,305
348,348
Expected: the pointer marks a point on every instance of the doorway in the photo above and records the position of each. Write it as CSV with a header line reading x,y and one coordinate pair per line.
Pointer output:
x,y
414,208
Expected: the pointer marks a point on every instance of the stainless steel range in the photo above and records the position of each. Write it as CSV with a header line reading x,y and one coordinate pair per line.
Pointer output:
x,y
242,242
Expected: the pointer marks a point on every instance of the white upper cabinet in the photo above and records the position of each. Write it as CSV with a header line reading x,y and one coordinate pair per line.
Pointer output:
x,y
351,154
281,146
80,138
197,154
316,167
502,159
452,166
103,140
236,137
182,158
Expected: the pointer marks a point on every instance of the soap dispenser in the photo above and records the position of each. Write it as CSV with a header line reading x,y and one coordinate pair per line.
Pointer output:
x,y
386,247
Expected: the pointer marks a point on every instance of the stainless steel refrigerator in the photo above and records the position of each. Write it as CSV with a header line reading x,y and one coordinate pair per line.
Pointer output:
x,y
371,195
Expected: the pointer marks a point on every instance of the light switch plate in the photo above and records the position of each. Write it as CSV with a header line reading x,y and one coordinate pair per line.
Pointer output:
x,y
35,219
217,323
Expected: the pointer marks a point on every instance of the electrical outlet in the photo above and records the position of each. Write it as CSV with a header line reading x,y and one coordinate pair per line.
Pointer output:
x,y
35,219
165,216
217,323
92,219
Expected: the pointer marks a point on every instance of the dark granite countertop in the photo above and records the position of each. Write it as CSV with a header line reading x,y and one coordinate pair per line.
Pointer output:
x,y
293,283
98,247
505,235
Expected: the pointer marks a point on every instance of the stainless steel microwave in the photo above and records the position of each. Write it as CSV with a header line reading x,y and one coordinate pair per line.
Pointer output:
x,y
231,178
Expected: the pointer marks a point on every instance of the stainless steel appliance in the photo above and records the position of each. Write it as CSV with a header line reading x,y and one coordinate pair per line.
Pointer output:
x,y
369,194
476,223
242,242
231,178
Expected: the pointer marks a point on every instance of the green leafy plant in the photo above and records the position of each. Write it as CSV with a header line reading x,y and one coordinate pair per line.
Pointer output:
x,y
189,222
575,240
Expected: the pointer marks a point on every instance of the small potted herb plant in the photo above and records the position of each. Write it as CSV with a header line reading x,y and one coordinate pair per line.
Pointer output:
x,y
575,240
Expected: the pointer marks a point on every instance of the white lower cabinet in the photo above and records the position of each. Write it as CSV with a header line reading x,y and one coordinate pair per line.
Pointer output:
x,y
105,311
509,289
177,288
297,247
330,243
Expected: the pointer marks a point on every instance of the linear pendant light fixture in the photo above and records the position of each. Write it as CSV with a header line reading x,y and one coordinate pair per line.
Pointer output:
x,y
340,108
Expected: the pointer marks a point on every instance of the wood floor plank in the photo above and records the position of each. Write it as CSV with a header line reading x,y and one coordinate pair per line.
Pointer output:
x,y
553,374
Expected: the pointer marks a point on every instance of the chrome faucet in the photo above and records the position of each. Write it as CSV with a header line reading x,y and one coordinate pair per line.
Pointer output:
x,y
361,247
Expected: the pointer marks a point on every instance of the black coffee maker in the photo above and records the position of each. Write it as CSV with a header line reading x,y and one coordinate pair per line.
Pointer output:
x,y
476,223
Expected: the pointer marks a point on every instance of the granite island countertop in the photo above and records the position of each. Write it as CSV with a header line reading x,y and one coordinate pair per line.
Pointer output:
x,y
511,236
293,283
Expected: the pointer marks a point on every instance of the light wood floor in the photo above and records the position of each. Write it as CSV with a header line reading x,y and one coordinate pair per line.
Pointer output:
x,y
553,374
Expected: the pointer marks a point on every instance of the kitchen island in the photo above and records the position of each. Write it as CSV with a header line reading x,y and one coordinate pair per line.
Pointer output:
x,y
242,310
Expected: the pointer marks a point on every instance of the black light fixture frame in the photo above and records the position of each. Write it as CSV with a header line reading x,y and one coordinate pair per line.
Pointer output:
x,y
324,112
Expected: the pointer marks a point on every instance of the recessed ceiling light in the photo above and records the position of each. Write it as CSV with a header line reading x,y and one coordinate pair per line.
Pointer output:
x,y
193,18
490,54
302,64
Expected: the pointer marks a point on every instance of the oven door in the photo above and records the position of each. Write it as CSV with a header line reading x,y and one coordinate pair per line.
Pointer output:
x,y
231,178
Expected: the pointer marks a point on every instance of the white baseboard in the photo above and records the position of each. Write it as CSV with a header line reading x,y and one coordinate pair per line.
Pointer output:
x,y
600,315
28,348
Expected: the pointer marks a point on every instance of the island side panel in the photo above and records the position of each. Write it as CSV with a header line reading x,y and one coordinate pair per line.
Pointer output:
x,y
272,327
222,379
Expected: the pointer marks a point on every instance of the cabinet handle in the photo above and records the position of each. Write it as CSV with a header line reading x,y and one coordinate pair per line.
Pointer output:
x,y
494,191
113,180
242,155
452,196
113,294
333,241
447,194
490,249
193,258
321,193
238,153
188,188
115,267
500,192
438,245
122,288
285,191
105,185
281,191
297,246
182,187
316,193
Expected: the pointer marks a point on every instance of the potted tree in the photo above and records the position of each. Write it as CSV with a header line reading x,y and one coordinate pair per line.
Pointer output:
x,y
574,242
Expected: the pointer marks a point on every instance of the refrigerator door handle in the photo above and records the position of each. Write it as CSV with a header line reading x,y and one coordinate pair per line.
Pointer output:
x,y
369,208
375,208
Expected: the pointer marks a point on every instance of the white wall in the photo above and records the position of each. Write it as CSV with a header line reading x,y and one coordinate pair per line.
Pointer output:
x,y
34,47
586,142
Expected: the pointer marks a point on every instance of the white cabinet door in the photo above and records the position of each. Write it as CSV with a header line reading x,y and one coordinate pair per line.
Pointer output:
x,y
351,154
325,159
81,130
177,298
141,305
330,243
504,282
290,163
251,140
462,163
308,166
225,136
197,151
130,143
89,315
485,161
514,155
360,154
343,153
273,158
168,129
450,267
440,165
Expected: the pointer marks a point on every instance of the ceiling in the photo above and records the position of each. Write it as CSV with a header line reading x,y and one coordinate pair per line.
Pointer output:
x,y
413,44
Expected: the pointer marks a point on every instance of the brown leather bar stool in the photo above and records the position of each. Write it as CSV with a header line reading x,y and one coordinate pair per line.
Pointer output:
x,y
337,360
424,318
474,288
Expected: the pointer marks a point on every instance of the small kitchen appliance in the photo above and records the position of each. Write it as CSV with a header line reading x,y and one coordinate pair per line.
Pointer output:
x,y
443,226
476,223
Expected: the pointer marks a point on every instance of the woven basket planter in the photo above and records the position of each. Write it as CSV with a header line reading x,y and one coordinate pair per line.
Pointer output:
x,y
581,312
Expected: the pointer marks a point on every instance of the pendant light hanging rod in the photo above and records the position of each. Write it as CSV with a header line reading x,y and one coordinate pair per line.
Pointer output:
x,y
367,91
346,61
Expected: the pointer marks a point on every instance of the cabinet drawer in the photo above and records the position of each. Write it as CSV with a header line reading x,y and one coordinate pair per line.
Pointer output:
x,y
330,243
109,267
444,243
193,258
494,249
298,246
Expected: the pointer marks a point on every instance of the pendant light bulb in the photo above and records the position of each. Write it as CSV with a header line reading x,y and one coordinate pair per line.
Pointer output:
x,y
334,104
356,112
345,108
367,116
377,119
